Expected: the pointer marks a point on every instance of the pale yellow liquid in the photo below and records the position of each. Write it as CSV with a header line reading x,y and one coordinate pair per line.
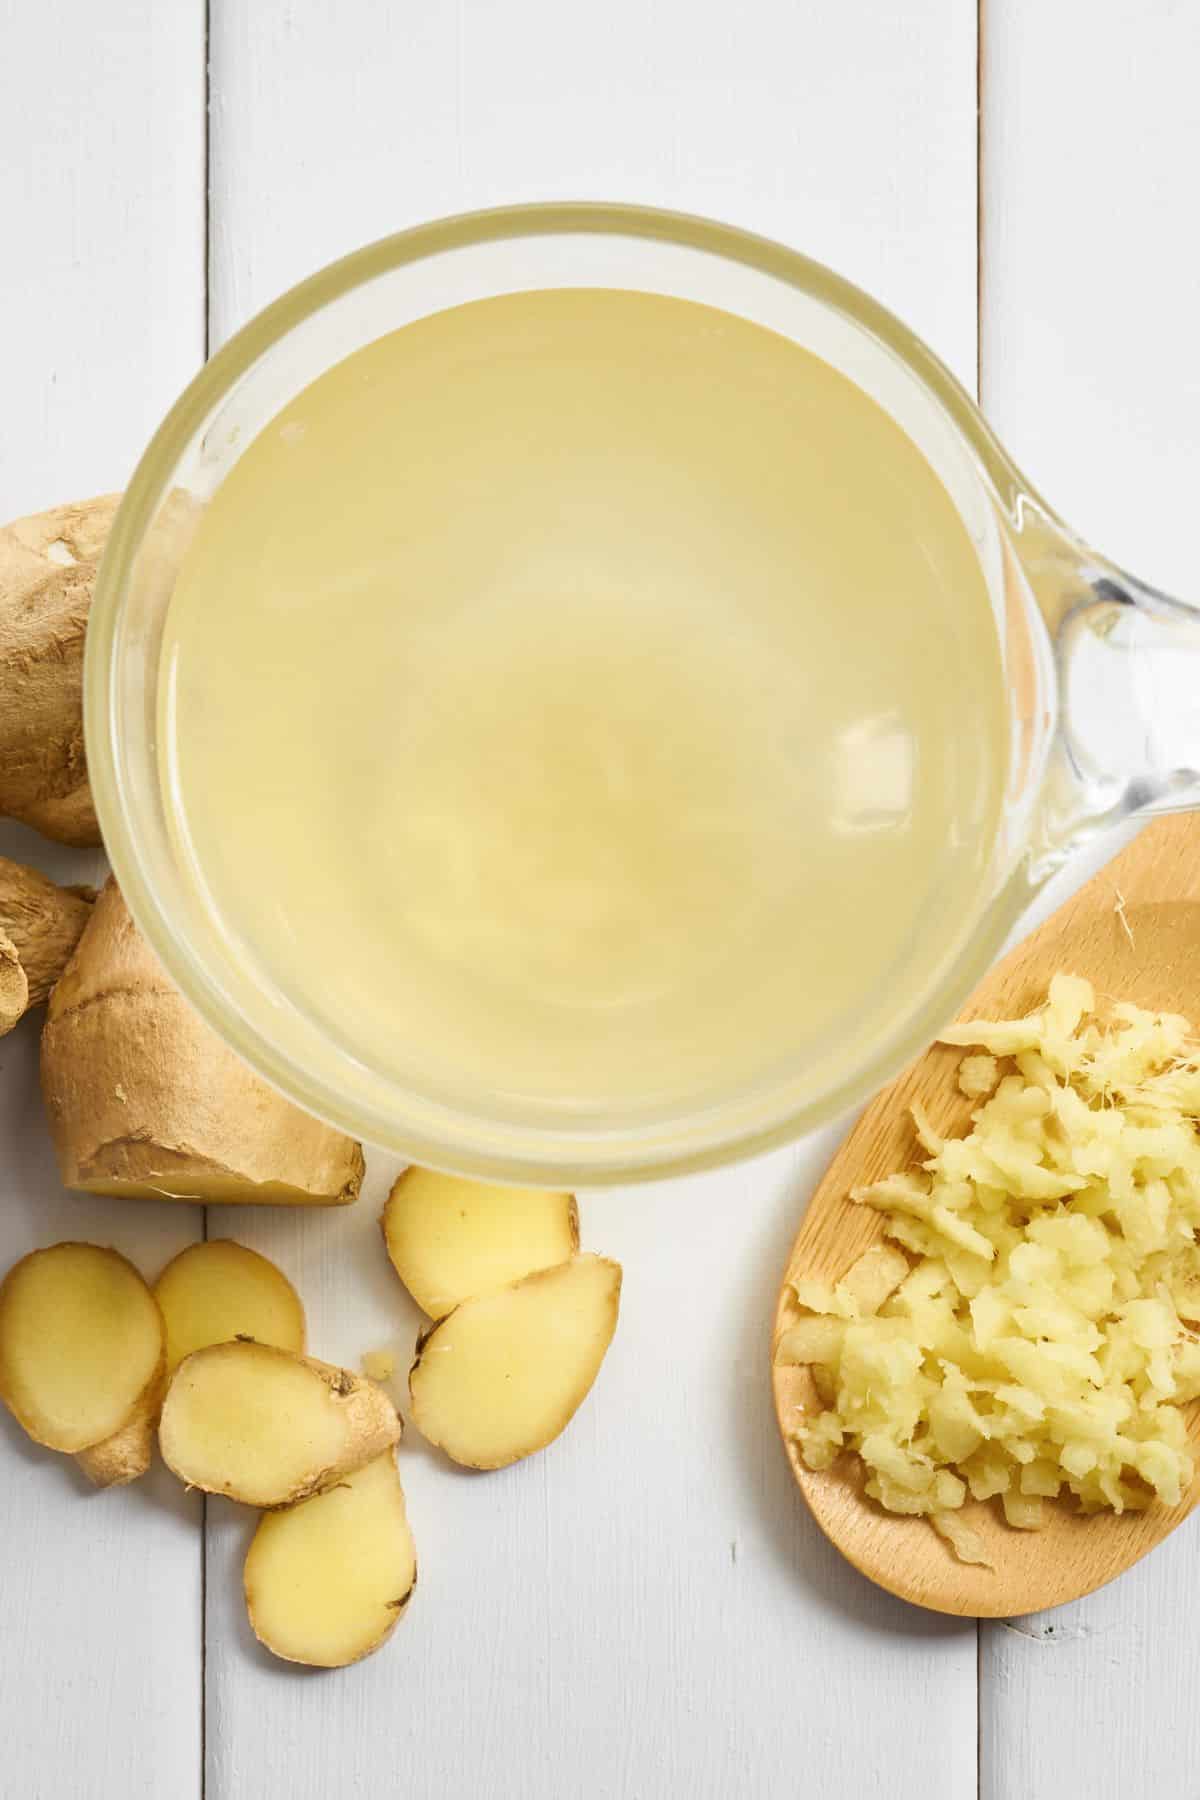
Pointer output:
x,y
587,705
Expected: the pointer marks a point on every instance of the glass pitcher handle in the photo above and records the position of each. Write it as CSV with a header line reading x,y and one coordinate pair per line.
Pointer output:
x,y
1129,660
1128,678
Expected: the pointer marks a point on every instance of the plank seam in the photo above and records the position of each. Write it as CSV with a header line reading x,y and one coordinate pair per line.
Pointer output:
x,y
207,277
980,22
207,154
980,11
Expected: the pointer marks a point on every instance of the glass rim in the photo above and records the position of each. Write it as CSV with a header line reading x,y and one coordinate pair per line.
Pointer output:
x,y
694,1141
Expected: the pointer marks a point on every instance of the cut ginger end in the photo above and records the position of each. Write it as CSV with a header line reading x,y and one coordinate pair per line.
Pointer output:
x,y
267,1427
450,1239
506,1372
216,1291
145,1101
81,1345
327,1580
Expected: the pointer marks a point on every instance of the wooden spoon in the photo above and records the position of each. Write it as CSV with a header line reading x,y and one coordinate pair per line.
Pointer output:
x,y
1134,932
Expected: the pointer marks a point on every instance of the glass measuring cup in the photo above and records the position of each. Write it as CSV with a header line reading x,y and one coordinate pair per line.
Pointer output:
x,y
1104,705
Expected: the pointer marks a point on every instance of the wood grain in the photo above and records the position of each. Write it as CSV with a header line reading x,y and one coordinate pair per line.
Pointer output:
x,y
1147,952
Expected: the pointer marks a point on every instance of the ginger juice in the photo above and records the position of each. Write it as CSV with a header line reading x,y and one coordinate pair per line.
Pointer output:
x,y
586,705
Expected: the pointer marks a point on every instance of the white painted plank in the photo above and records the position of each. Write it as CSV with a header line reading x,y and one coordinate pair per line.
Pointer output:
x,y
1098,1698
101,321
646,1609
1091,260
102,196
1090,373
847,130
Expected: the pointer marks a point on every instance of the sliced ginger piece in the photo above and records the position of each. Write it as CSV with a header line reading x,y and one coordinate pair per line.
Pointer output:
x,y
326,1580
214,1292
450,1239
81,1349
125,1455
268,1427
504,1374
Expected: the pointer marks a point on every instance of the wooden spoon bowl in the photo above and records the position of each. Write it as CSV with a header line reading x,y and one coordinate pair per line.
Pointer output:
x,y
1134,932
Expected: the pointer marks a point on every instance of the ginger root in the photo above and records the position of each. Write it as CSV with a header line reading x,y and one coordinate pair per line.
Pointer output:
x,y
449,1238
14,985
82,1357
326,1580
216,1291
504,1374
40,925
128,1453
145,1100
269,1428
48,568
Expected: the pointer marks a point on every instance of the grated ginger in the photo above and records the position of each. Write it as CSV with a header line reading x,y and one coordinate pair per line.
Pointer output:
x,y
378,1365
1028,1330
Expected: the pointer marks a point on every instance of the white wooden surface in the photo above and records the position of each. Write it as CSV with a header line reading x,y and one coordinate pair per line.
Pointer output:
x,y
1091,260
632,1614
101,321
645,1611
1091,373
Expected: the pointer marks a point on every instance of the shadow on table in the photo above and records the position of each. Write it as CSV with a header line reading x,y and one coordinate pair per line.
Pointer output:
x,y
158,1490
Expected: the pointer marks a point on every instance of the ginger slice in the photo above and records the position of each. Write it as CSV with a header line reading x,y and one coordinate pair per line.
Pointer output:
x,y
128,1453
450,1239
268,1427
81,1345
504,1374
326,1580
216,1291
